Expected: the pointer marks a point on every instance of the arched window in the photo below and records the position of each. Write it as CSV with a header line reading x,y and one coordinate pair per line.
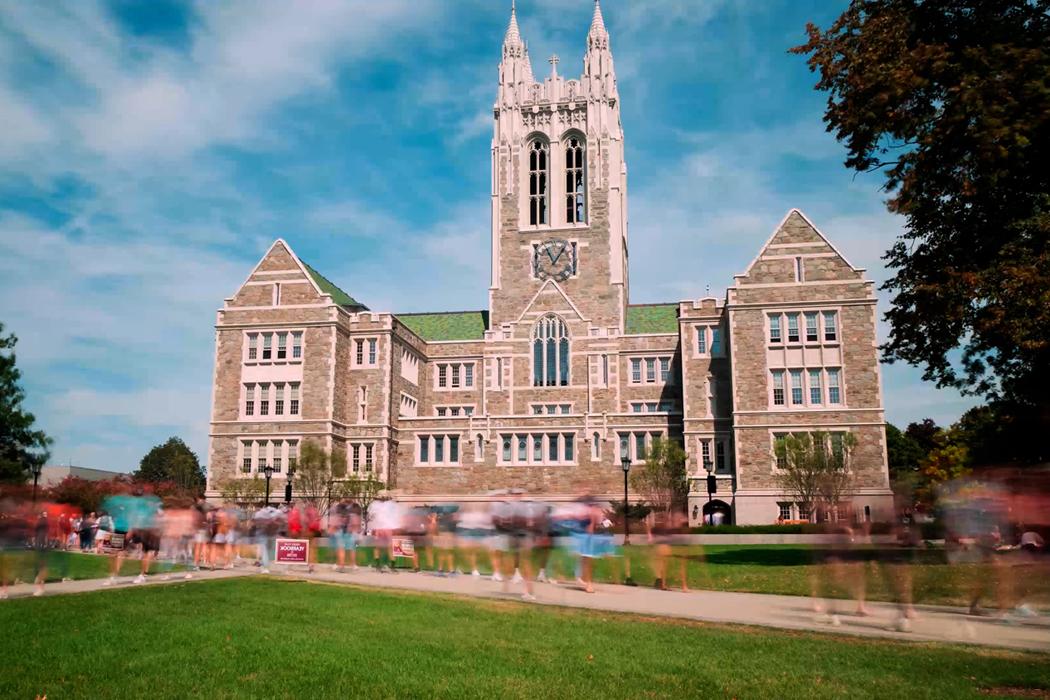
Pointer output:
x,y
575,190
550,352
596,446
538,178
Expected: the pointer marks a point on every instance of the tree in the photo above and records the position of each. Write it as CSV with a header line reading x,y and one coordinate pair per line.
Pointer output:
x,y
364,492
320,477
923,434
249,492
947,461
814,468
950,99
172,461
903,453
21,447
661,480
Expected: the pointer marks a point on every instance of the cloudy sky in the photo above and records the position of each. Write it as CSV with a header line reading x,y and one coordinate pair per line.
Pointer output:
x,y
151,151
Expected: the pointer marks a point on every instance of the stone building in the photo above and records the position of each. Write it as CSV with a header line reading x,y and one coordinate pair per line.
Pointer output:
x,y
561,375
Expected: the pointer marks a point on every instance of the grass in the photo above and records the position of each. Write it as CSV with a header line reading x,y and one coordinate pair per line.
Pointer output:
x,y
788,570
261,637
60,564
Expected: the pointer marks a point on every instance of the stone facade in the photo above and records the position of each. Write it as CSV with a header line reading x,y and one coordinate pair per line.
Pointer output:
x,y
454,405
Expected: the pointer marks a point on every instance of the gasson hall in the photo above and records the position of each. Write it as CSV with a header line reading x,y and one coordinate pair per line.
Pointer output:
x,y
560,377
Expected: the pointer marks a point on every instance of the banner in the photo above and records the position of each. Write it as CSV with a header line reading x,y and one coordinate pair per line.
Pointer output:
x,y
292,551
403,547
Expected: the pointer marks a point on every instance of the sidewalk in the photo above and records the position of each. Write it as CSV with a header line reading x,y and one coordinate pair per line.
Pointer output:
x,y
934,624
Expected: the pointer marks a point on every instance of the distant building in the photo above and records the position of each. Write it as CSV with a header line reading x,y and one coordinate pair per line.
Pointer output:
x,y
49,476
561,377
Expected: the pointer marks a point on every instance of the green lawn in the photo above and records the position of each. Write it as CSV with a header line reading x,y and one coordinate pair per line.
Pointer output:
x,y
22,565
261,637
787,570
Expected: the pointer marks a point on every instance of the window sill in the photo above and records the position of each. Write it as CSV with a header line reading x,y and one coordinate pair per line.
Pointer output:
x,y
269,363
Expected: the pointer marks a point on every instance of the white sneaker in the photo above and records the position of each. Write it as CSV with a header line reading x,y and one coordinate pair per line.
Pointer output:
x,y
39,591
264,571
475,573
528,597
139,579
835,621
496,576
110,581
516,578
188,576
3,595
165,577
1025,610
542,576
903,624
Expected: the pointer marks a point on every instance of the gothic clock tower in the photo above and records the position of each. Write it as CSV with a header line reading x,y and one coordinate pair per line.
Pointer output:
x,y
559,185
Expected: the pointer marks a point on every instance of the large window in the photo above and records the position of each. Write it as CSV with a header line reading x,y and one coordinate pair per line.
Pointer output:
x,y
550,352
455,375
575,190
808,388
366,352
272,347
285,399
809,327
256,455
538,180
361,457
656,369
538,448
438,449
635,445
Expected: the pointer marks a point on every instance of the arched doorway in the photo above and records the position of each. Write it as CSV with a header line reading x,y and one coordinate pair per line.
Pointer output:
x,y
717,512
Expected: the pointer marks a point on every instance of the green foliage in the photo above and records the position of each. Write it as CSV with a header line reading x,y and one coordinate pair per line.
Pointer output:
x,y
904,453
249,492
173,461
635,511
815,467
661,480
85,494
951,99
21,446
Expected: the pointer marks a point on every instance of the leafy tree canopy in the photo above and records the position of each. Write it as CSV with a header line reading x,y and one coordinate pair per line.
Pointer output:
x,y
950,99
661,480
21,446
172,461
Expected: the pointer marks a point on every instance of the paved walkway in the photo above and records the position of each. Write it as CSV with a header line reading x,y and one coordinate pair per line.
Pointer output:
x,y
934,623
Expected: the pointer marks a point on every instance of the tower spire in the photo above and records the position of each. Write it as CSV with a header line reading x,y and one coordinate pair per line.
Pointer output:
x,y
597,22
513,36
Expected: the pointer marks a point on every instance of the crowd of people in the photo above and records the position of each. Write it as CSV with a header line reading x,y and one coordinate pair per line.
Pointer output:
x,y
516,539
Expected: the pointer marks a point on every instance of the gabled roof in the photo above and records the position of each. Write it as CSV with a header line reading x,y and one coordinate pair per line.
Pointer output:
x,y
451,325
328,287
651,318
795,212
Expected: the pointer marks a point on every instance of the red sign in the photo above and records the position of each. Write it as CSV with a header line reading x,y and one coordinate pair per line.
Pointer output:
x,y
292,551
403,547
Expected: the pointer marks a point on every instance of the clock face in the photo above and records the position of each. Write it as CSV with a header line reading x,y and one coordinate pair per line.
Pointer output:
x,y
554,260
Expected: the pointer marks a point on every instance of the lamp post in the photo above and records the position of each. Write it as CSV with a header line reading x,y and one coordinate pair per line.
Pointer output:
x,y
268,471
288,486
625,464
712,486
36,478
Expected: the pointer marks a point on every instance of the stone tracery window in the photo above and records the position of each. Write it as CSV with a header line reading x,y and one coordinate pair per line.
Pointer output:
x,y
550,352
575,189
538,179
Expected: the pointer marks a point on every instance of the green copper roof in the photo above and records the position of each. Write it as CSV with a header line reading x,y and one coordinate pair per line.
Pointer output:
x,y
453,325
652,318
338,295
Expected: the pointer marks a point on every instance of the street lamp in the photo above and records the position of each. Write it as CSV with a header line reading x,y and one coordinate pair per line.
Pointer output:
x,y
712,487
268,471
625,464
288,486
36,477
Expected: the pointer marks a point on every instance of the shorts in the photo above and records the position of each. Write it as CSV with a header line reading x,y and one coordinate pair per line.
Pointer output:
x,y
201,537
149,539
344,540
444,540
499,543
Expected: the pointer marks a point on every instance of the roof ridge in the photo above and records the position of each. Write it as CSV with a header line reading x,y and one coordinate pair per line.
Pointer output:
x,y
435,313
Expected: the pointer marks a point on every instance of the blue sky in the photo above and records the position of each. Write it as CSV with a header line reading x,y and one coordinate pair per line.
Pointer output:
x,y
152,151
